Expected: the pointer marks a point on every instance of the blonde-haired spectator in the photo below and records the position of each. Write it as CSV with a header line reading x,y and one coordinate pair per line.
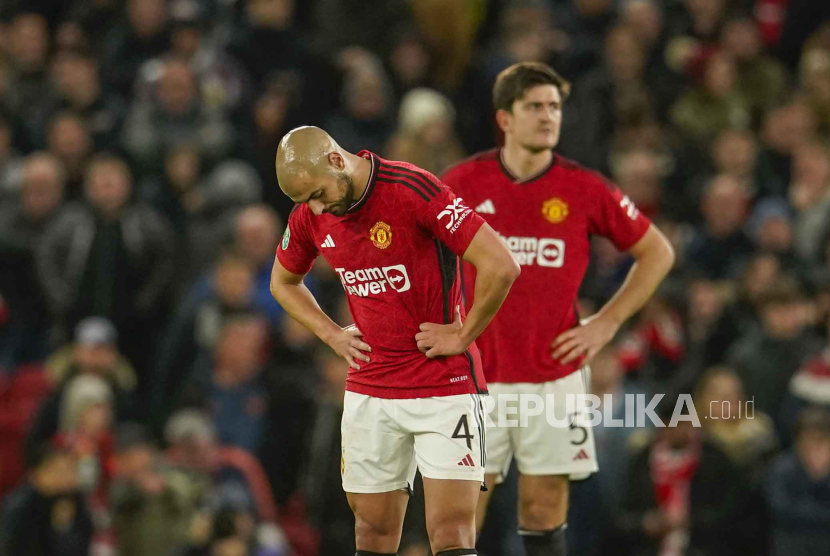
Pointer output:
x,y
425,134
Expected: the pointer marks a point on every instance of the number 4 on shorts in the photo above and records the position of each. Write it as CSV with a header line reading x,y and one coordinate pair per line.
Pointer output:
x,y
462,424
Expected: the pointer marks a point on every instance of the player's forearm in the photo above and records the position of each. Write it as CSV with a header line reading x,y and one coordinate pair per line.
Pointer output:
x,y
643,279
298,302
491,288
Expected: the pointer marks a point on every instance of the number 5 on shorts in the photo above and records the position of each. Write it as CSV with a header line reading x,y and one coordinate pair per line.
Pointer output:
x,y
462,424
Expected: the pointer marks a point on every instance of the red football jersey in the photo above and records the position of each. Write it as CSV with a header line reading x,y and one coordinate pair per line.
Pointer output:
x,y
547,221
396,253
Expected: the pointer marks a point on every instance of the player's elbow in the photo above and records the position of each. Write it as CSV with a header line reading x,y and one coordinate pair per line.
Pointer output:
x,y
507,269
666,255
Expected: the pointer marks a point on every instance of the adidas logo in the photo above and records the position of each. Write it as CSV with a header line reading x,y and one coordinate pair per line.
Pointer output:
x,y
487,207
467,461
581,455
328,242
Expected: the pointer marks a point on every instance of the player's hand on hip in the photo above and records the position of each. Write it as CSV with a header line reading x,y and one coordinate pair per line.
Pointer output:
x,y
441,339
348,345
586,340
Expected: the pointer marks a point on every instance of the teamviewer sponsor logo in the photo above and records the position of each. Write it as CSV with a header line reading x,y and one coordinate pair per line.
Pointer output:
x,y
545,252
455,213
374,281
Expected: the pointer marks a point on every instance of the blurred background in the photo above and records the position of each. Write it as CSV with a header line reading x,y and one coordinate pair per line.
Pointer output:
x,y
155,400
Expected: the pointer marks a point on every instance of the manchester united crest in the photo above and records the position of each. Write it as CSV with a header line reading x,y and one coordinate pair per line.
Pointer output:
x,y
381,235
555,210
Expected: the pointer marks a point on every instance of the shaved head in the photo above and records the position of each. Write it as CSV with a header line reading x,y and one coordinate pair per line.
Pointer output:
x,y
312,168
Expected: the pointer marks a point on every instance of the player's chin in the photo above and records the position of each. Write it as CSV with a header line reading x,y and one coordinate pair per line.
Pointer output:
x,y
338,210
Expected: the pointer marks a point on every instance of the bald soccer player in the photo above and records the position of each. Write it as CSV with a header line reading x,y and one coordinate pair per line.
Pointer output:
x,y
393,233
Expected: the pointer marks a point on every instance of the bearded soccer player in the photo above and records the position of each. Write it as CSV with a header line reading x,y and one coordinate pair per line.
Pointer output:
x,y
393,233
546,209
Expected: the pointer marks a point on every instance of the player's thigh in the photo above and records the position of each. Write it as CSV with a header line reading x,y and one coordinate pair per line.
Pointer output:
x,y
450,437
499,445
557,441
450,507
378,519
377,454
484,499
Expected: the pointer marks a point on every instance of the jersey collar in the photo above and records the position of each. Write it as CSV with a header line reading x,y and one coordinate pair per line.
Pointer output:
x,y
373,158
528,179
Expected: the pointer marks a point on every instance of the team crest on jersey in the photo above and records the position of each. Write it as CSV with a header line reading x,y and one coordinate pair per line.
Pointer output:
x,y
381,235
286,237
555,210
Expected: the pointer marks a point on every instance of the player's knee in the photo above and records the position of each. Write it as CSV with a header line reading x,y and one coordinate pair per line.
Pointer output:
x,y
544,510
453,534
379,534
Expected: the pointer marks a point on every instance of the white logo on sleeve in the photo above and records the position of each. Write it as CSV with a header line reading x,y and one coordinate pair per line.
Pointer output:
x,y
373,281
628,205
328,242
487,207
456,213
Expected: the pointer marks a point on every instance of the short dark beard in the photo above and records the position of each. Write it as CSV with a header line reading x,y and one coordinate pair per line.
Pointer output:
x,y
347,200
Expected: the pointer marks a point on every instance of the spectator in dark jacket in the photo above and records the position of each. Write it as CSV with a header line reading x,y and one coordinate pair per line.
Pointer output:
x,y
21,227
721,244
766,359
46,516
798,490
683,496
109,258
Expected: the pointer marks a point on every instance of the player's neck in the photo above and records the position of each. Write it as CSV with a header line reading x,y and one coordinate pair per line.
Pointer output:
x,y
361,172
523,163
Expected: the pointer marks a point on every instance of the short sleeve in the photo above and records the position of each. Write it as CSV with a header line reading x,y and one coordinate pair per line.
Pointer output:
x,y
447,218
613,215
297,249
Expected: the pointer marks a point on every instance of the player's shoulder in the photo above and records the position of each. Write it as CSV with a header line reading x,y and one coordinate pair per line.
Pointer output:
x,y
407,180
570,169
300,216
484,161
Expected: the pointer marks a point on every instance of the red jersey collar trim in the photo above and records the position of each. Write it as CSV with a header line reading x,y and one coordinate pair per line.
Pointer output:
x,y
515,179
373,158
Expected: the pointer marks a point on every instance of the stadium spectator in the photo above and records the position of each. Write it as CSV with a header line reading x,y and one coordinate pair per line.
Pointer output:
x,y
809,195
22,224
783,130
721,245
747,436
196,324
93,353
681,494
77,80
365,118
761,79
425,135
68,138
27,92
77,249
176,112
140,36
798,489
702,113
766,359
153,504
46,515
255,237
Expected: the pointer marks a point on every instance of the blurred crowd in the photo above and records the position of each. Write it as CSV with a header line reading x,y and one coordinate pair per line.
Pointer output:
x,y
155,400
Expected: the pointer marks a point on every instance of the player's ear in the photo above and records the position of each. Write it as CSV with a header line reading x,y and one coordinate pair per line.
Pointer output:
x,y
336,160
503,119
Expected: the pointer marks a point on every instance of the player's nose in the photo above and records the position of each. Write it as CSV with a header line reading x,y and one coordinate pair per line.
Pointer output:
x,y
316,206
